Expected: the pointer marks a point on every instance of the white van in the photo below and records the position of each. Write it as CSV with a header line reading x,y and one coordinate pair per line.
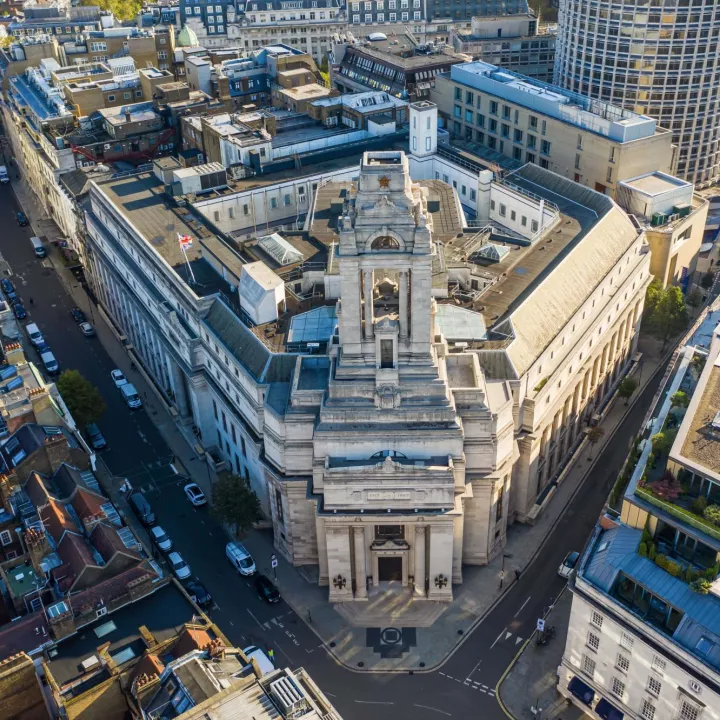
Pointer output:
x,y
4,175
38,246
130,395
33,332
50,363
240,558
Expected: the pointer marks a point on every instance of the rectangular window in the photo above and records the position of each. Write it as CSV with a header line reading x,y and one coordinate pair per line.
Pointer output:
x,y
273,203
5,537
597,620
232,432
622,663
279,506
533,122
580,142
503,210
688,710
468,116
387,359
627,641
612,154
286,199
518,135
654,686
523,221
480,120
493,107
469,98
242,446
534,226
618,688
609,177
513,215
224,421
499,505
659,664
545,147
588,666
215,410
577,161
647,710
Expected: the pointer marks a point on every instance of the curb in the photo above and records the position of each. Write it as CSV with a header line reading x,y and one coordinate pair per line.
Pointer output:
x,y
509,668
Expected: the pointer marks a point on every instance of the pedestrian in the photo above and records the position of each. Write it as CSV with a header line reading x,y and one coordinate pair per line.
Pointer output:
x,y
271,654
517,574
30,300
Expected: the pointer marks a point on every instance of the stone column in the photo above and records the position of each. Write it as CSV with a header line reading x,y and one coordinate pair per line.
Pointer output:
x,y
403,303
368,294
339,567
419,550
441,561
360,571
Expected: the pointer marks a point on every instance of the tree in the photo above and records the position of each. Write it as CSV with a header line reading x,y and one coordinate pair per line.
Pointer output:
x,y
594,435
652,296
627,387
668,314
235,503
707,280
679,399
663,441
82,398
694,299
121,9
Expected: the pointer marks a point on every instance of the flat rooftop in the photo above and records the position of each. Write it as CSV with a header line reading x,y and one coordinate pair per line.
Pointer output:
x,y
415,62
701,444
655,183
163,613
596,116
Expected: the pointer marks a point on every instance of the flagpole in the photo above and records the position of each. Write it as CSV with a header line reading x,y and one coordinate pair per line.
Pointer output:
x,y
185,240
192,274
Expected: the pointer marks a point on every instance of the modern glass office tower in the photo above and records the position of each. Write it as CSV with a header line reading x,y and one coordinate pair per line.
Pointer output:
x,y
656,57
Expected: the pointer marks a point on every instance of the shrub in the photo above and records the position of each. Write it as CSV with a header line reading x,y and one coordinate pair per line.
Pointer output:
x,y
690,575
674,569
699,504
652,551
712,514
701,586
646,536
667,487
642,550
661,561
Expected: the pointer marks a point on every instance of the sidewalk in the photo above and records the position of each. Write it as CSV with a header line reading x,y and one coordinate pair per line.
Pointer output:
x,y
357,648
531,684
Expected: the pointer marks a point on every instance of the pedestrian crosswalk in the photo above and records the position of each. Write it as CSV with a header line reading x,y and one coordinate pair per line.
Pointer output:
x,y
472,684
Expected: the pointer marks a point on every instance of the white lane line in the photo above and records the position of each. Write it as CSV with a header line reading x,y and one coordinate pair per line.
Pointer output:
x,y
330,694
521,607
472,672
427,707
457,680
485,687
373,702
262,627
481,690
467,682
497,639
443,674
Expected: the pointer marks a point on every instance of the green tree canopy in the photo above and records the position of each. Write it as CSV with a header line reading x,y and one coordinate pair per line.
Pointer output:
x,y
667,314
680,399
82,398
707,280
121,9
627,387
234,503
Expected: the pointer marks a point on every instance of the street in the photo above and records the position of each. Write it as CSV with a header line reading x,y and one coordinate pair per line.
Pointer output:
x,y
463,687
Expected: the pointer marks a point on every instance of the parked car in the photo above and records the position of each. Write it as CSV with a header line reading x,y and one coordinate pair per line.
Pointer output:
x,y
7,285
19,310
21,218
50,362
130,395
240,558
195,495
33,332
87,329
95,437
141,506
266,590
78,315
179,566
199,594
161,538
12,297
568,564
265,665
118,378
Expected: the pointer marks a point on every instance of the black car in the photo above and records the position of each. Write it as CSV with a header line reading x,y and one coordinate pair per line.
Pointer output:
x,y
97,441
78,315
7,286
199,594
266,590
22,219
19,311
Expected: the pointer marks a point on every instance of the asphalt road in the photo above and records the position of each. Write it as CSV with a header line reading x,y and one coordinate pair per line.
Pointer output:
x,y
462,688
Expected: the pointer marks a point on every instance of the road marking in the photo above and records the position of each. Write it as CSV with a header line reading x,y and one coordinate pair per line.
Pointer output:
x,y
443,674
217,607
508,635
330,694
497,639
485,686
373,702
481,690
518,640
457,679
521,607
467,682
427,707
472,672
232,623
174,469
262,627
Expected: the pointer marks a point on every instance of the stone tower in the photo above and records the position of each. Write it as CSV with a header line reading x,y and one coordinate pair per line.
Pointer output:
x,y
388,447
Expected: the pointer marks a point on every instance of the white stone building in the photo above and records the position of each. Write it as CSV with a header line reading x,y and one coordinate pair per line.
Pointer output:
x,y
417,384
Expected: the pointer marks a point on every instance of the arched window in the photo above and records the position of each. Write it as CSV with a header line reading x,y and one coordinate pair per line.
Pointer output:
x,y
385,242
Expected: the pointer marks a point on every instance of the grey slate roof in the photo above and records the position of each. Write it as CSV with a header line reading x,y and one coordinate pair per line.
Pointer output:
x,y
262,364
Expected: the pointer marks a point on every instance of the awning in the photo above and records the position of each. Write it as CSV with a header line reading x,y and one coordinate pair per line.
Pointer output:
x,y
607,711
582,691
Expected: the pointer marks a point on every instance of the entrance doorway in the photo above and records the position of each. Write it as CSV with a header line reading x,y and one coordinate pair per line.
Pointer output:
x,y
390,568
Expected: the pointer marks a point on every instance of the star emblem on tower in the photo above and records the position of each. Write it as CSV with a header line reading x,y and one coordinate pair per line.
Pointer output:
x,y
384,181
